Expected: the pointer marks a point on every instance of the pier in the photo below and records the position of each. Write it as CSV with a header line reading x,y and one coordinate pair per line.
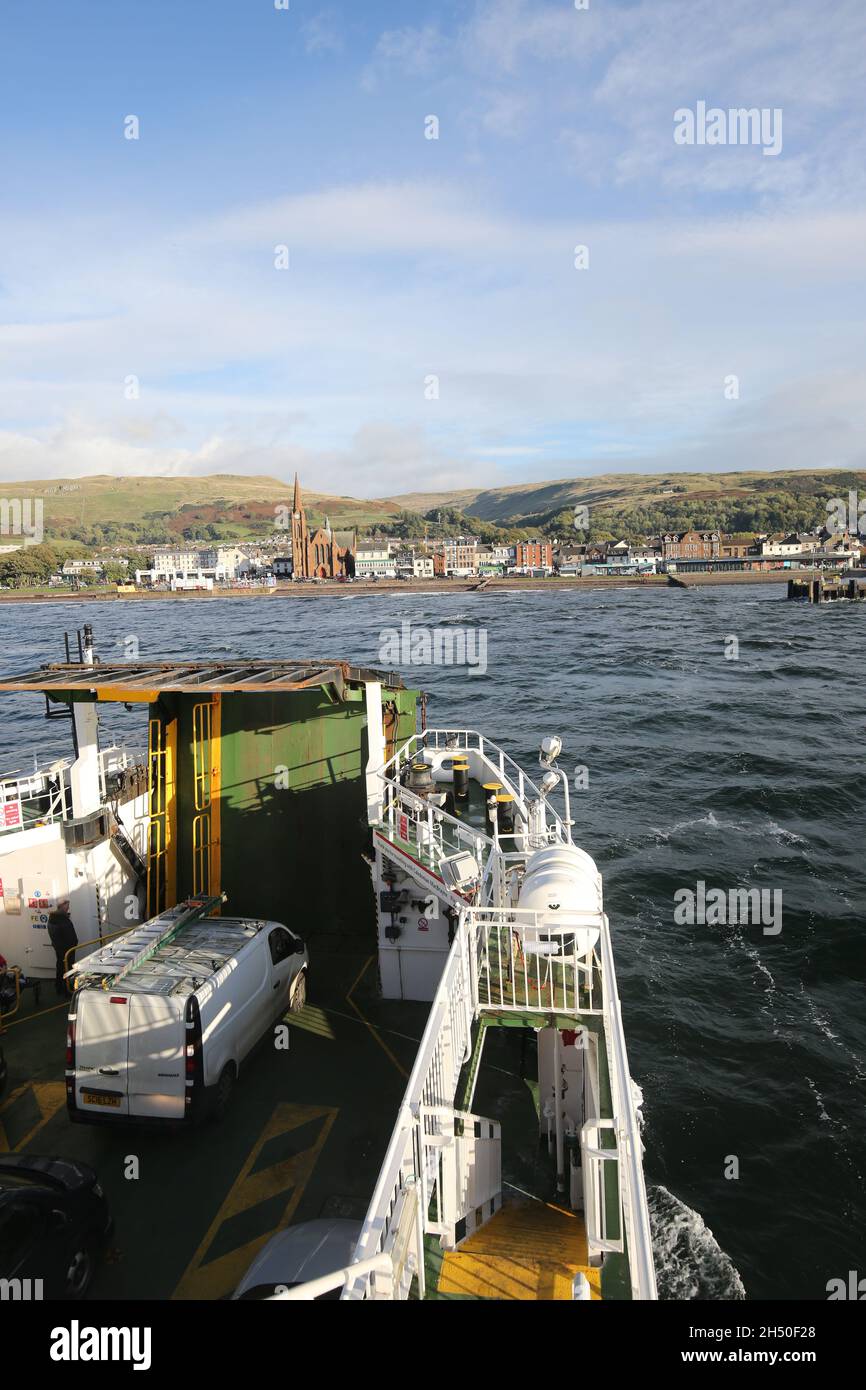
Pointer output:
x,y
818,589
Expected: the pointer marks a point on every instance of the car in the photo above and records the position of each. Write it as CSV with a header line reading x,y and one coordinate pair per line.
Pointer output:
x,y
54,1220
301,1253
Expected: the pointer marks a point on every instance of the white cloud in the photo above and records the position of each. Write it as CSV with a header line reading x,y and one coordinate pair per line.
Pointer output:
x,y
322,33
623,71
415,217
625,360
703,262
408,52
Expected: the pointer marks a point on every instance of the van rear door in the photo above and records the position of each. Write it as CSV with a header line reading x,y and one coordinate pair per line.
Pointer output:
x,y
101,1052
157,1071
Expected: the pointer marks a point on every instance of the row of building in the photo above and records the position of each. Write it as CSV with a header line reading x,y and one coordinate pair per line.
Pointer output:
x,y
338,555
323,553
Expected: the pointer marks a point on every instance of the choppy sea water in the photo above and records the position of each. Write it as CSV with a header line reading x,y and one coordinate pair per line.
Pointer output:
x,y
739,772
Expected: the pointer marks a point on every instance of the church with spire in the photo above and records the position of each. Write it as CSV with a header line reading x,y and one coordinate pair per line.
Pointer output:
x,y
326,554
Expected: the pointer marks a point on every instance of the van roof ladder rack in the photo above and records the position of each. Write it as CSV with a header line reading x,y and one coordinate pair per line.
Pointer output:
x,y
192,910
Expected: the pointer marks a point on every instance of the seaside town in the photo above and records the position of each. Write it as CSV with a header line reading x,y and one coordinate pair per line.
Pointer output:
x,y
299,551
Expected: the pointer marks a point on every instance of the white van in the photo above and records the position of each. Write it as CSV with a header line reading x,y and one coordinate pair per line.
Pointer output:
x,y
163,1017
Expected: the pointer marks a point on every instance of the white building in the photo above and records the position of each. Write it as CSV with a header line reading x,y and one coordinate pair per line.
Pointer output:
x,y
422,566
82,567
218,564
225,562
375,562
170,564
782,545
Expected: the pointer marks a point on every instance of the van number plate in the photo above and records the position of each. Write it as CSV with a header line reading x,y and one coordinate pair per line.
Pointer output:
x,y
92,1099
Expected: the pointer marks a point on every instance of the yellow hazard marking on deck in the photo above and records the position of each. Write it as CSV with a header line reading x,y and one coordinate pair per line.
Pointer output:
x,y
366,1022
528,1250
311,1020
28,1018
220,1276
50,1097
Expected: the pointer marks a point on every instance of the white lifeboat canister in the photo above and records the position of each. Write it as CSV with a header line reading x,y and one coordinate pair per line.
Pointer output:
x,y
563,884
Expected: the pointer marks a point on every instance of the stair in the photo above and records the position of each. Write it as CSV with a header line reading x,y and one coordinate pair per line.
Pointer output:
x,y
530,1250
125,850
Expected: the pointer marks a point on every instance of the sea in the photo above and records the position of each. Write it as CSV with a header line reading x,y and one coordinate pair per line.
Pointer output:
x,y
712,736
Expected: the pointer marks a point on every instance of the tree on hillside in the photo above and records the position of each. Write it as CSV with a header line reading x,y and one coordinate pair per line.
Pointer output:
x,y
29,566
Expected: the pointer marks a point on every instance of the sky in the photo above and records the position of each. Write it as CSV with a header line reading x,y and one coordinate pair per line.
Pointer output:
x,y
283,271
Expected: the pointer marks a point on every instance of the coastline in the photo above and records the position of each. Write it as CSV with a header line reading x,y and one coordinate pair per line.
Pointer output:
x,y
392,586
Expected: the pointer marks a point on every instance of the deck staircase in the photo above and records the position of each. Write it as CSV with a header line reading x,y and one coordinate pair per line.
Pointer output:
x,y
528,1250
125,850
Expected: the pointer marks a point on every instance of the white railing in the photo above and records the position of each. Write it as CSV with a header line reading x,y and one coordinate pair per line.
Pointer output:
x,y
408,1198
379,1272
45,794
522,964
635,1213
594,1160
432,832
458,741
425,1185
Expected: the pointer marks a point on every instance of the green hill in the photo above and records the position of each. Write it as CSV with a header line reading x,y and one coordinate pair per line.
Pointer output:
x,y
738,501
106,510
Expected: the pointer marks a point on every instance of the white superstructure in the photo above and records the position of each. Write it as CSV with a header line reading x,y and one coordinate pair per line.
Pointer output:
x,y
488,909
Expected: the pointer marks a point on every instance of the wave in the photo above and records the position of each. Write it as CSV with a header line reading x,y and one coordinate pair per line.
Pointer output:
x,y
690,1263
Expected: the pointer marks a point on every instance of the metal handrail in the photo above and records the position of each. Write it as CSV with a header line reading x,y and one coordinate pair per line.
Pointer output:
x,y
375,1268
33,786
633,1208
635,1212
445,1047
431,738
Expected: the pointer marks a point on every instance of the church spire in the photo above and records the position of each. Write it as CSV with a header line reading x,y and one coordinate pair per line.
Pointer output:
x,y
296,504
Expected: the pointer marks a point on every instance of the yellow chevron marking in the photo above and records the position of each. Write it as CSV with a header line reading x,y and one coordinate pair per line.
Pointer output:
x,y
50,1097
220,1276
528,1250
366,1022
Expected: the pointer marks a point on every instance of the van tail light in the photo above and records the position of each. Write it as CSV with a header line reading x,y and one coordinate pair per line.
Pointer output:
x,y
70,1062
193,1059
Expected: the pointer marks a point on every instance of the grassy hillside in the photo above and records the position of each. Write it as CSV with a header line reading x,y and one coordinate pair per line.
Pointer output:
x,y
613,494
107,510
129,511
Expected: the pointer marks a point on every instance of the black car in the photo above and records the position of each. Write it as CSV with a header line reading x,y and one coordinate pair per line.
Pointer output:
x,y
53,1221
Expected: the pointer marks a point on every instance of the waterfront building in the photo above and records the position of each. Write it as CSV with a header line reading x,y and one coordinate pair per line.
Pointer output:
x,y
487,563
77,567
324,554
535,555
373,560
738,546
691,545
460,555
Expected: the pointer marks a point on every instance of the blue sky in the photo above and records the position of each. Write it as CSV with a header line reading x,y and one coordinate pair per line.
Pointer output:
x,y
412,258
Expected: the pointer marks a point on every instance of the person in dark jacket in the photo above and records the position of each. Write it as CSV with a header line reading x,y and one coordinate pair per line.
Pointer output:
x,y
62,935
